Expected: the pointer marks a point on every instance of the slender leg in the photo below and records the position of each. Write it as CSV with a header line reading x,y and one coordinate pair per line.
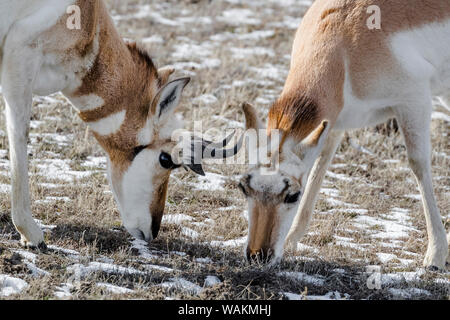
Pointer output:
x,y
18,71
308,201
415,124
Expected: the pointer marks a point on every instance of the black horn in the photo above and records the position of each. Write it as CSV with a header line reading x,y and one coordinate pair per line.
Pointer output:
x,y
205,149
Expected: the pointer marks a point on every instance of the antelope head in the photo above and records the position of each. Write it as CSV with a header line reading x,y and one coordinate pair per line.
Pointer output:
x,y
141,155
139,170
273,196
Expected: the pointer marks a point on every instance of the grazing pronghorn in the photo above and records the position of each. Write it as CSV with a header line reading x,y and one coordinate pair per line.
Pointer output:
x,y
344,75
123,98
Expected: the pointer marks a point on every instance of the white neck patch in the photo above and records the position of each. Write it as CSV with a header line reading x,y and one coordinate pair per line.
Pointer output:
x,y
108,125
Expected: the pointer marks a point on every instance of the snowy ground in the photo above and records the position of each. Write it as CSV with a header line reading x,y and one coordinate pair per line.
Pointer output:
x,y
369,212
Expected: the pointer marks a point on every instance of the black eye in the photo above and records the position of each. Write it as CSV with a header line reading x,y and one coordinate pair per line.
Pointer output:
x,y
292,198
166,161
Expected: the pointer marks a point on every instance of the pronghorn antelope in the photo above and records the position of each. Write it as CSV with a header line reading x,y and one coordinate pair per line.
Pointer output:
x,y
128,104
344,75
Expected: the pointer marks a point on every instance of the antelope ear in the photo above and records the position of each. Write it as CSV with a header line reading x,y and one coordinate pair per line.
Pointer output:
x,y
167,99
309,148
251,117
164,74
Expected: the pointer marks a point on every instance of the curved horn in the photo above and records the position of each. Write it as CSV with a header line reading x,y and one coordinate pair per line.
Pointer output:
x,y
215,151
205,149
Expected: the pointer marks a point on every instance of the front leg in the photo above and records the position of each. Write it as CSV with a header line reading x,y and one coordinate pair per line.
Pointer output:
x,y
18,71
313,185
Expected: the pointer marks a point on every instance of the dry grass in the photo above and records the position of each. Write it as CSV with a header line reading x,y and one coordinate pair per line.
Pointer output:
x,y
89,223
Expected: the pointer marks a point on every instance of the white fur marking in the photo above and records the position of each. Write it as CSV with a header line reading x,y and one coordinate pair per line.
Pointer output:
x,y
109,124
87,102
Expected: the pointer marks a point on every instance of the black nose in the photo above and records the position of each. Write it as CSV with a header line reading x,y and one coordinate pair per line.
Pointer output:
x,y
262,255
155,229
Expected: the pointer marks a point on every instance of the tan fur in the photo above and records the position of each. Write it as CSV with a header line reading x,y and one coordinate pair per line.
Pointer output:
x,y
159,202
263,218
122,74
125,78
251,119
164,74
331,33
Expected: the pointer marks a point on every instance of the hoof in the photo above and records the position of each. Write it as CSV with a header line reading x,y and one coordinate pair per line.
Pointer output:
x,y
433,269
42,246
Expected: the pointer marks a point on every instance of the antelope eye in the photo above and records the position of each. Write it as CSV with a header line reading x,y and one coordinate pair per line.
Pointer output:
x,y
166,160
292,198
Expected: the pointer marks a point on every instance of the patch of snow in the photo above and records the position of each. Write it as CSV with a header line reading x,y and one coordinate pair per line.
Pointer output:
x,y
413,196
203,260
393,229
408,293
209,182
229,243
331,192
189,50
176,218
35,124
10,285
303,277
151,267
386,257
190,233
288,22
35,271
114,289
179,253
394,278
348,243
270,71
5,188
152,39
304,247
339,176
440,116
58,169
63,291
198,20
142,247
339,270
231,123
81,271
53,199
69,252
228,208
244,53
211,281
95,162
239,17
182,284
329,296
43,226
206,99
